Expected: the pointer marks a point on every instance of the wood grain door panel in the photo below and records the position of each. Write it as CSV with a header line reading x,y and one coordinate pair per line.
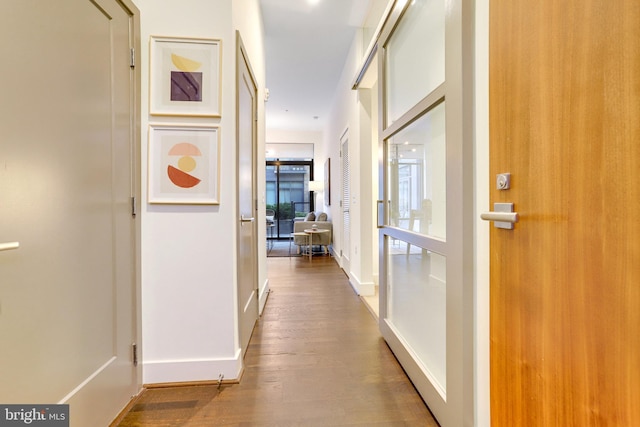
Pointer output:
x,y
565,293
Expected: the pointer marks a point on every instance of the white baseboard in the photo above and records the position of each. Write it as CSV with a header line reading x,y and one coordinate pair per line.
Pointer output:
x,y
263,295
173,371
335,255
362,288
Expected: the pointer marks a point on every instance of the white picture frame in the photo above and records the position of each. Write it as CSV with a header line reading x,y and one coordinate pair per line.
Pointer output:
x,y
185,76
184,164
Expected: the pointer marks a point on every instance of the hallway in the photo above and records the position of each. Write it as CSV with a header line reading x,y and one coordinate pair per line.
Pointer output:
x,y
316,358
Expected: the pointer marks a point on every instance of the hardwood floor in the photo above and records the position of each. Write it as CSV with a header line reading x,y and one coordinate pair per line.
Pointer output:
x,y
316,358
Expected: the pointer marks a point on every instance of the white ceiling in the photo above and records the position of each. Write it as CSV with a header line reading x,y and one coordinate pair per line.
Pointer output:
x,y
306,44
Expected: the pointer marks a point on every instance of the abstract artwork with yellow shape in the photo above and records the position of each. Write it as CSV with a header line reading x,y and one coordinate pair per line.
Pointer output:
x,y
185,64
185,76
186,83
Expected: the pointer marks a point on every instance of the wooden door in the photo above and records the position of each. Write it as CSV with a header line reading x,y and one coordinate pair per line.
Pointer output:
x,y
67,294
247,225
565,293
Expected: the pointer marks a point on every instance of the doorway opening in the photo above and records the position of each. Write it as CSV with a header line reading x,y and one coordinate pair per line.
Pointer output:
x,y
287,195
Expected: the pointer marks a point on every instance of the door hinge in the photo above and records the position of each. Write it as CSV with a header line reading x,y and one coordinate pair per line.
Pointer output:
x,y
132,60
134,349
134,207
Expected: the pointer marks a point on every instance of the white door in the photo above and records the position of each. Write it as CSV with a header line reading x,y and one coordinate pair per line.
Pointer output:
x,y
346,203
247,225
67,164
426,294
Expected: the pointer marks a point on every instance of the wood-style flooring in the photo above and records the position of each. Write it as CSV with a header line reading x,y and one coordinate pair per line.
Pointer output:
x,y
316,358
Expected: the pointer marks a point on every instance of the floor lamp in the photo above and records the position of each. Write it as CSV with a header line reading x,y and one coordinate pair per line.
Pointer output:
x,y
317,187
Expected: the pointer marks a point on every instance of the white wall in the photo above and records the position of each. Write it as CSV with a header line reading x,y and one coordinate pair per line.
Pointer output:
x,y
189,252
344,118
279,136
365,251
352,113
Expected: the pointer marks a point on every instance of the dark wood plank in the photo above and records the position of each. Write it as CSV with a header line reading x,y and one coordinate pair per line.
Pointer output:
x,y
316,358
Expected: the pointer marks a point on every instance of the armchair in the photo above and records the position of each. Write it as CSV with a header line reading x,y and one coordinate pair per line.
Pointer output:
x,y
321,239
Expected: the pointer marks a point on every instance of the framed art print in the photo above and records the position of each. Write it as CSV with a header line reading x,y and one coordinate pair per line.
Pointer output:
x,y
184,163
184,77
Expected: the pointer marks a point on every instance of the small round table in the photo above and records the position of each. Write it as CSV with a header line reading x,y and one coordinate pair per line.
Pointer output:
x,y
311,232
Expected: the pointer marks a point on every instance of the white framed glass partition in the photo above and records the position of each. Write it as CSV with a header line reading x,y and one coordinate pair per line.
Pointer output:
x,y
414,57
425,233
416,274
416,175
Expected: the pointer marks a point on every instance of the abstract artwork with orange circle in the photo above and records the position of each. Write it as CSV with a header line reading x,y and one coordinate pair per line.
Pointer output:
x,y
186,154
183,164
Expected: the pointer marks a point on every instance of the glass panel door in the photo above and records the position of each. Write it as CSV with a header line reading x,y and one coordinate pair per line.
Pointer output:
x,y
416,57
416,275
426,233
416,168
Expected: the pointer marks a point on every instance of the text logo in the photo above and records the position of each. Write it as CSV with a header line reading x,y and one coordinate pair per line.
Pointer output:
x,y
34,415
